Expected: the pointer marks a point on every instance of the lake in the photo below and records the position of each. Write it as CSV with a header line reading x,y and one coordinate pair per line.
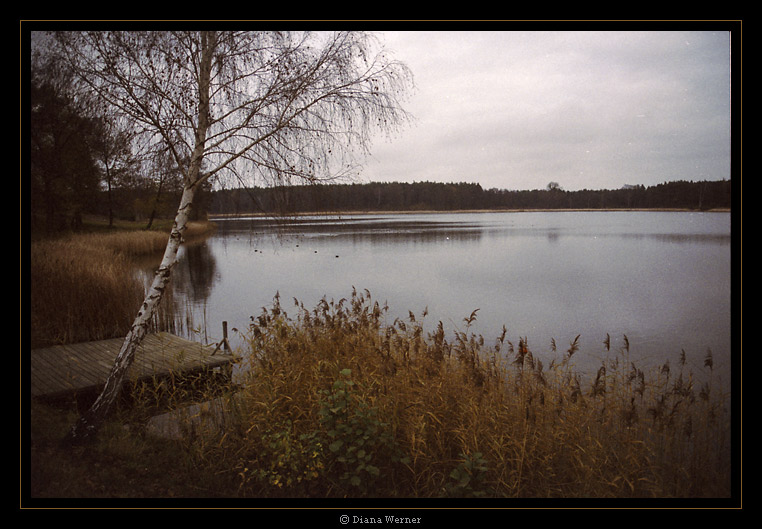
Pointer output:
x,y
663,279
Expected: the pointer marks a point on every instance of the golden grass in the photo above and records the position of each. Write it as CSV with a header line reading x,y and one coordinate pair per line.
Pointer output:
x,y
80,291
337,402
84,286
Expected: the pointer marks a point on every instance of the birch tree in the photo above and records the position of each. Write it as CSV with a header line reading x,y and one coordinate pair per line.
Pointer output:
x,y
274,107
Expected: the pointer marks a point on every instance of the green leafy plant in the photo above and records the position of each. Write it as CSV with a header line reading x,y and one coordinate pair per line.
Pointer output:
x,y
356,438
467,479
286,461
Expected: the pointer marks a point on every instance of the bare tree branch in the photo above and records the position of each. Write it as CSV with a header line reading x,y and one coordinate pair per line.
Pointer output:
x,y
273,107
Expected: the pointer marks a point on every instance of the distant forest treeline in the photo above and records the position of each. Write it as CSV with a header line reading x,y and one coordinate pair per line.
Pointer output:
x,y
425,196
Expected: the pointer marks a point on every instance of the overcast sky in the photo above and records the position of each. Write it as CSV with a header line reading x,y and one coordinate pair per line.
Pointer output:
x,y
594,110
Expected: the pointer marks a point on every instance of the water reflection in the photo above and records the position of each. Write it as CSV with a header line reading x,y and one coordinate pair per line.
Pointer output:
x,y
684,238
196,272
370,229
471,227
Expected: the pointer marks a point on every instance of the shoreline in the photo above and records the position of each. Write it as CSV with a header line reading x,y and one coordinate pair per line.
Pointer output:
x,y
223,216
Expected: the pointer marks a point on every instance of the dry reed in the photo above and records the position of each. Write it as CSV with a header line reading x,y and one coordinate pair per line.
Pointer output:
x,y
80,291
84,287
339,402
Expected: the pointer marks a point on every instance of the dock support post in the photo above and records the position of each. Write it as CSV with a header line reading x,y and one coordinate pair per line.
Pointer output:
x,y
224,343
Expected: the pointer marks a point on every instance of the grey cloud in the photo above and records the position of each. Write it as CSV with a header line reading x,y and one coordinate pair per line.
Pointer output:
x,y
519,109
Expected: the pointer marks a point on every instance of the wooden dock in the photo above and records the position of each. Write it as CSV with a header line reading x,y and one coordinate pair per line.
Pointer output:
x,y
68,370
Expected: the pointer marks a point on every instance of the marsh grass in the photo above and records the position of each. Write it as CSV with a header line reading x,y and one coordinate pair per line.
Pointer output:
x,y
84,286
338,402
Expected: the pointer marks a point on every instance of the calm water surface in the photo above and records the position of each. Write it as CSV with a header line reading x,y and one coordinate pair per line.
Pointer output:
x,y
663,279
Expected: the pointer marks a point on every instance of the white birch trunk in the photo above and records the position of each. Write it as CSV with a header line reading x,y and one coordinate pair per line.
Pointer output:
x,y
89,422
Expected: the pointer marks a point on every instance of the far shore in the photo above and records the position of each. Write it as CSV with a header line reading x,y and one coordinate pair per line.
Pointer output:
x,y
220,216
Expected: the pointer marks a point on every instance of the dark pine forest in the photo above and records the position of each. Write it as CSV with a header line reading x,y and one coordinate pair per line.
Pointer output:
x,y
431,196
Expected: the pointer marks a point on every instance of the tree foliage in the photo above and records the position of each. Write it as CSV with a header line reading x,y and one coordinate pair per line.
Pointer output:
x,y
290,104
63,169
437,196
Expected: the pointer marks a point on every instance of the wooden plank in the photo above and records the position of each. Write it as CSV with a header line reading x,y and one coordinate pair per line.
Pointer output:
x,y
60,369
83,364
63,369
68,368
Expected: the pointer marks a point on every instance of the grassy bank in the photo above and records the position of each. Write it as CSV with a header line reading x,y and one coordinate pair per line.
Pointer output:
x,y
338,402
83,286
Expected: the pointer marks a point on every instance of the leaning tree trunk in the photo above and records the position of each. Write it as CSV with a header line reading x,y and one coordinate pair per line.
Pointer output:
x,y
87,425
89,422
